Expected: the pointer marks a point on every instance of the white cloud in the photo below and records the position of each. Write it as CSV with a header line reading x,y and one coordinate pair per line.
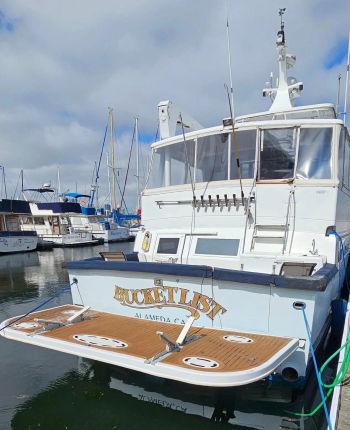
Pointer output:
x,y
66,62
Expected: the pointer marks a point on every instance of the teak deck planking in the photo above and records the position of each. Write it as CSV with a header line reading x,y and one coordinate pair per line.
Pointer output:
x,y
143,341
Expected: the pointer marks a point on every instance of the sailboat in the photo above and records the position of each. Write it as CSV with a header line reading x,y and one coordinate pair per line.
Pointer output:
x,y
245,239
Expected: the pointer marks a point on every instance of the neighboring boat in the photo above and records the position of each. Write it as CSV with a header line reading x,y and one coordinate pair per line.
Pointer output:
x,y
51,222
12,239
99,227
245,227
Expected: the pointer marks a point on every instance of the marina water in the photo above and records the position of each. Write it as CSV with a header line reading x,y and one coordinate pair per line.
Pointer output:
x,y
44,389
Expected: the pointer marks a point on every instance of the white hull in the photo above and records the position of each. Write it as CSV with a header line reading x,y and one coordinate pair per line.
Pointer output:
x,y
113,235
229,305
11,244
71,239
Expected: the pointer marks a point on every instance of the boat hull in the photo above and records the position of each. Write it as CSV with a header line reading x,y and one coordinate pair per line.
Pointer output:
x,y
71,239
113,235
12,242
250,305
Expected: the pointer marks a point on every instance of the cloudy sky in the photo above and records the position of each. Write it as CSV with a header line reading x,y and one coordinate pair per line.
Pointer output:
x,y
62,63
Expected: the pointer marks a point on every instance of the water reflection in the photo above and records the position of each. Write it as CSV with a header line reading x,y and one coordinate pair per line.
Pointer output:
x,y
99,396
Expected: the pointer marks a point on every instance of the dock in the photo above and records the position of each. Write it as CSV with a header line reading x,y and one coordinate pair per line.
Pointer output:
x,y
344,409
340,406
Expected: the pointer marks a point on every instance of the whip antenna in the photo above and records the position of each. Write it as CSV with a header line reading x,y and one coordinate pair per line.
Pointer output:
x,y
229,56
347,82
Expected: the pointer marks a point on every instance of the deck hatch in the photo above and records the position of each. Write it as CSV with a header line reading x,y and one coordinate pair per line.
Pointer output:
x,y
106,342
203,363
238,339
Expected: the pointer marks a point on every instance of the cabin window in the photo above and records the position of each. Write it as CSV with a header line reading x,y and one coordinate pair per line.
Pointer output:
x,y
315,147
346,164
27,220
168,245
277,154
245,142
39,221
212,158
173,164
341,155
228,247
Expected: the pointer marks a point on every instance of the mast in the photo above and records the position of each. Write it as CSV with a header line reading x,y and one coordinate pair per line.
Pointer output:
x,y
109,179
58,182
287,89
112,160
138,202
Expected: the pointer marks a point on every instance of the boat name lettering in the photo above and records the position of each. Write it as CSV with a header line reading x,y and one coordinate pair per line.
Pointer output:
x,y
163,296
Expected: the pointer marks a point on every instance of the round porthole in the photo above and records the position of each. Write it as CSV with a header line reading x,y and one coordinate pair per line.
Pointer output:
x,y
93,340
26,325
201,362
238,339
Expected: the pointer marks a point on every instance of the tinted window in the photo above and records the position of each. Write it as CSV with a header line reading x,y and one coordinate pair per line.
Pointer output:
x,y
315,148
277,154
245,142
212,158
168,245
217,246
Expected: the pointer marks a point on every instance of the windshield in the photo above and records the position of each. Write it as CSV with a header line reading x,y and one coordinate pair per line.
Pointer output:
x,y
284,154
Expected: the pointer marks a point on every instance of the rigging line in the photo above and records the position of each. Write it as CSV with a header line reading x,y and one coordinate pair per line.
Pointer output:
x,y
17,183
123,200
130,152
234,142
98,166
151,158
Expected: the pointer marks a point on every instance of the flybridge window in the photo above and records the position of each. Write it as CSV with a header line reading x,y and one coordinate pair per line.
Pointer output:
x,y
171,165
314,160
168,245
212,158
245,142
277,154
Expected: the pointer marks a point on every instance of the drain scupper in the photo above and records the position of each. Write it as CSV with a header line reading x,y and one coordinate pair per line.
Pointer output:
x,y
93,340
201,362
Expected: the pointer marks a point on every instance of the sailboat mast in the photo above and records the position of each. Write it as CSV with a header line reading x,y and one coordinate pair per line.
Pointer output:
x,y
109,179
113,155
137,161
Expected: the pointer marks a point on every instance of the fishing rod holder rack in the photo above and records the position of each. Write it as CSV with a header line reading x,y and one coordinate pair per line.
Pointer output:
x,y
211,201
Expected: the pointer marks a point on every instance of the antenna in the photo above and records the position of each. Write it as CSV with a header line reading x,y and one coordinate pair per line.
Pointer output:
x,y
338,96
229,56
346,82
281,12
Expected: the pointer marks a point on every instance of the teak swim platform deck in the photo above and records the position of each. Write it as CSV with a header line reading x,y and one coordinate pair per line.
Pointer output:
x,y
195,355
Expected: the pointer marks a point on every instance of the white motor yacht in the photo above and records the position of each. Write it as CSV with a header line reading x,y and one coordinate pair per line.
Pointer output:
x,y
245,238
